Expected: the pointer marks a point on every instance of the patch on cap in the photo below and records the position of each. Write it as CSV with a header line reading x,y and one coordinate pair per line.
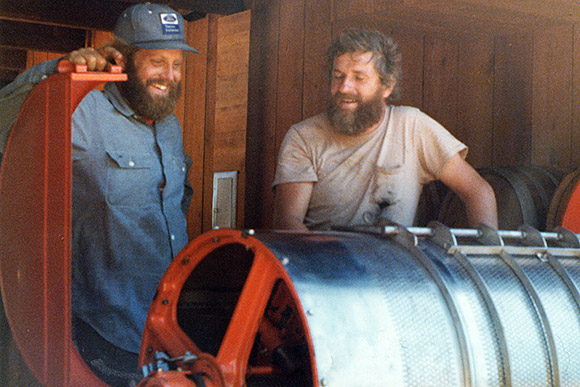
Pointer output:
x,y
170,23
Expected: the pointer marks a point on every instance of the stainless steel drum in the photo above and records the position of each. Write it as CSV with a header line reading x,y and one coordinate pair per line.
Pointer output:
x,y
390,306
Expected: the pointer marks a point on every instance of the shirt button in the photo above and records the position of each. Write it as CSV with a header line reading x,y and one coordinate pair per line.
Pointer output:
x,y
131,163
172,237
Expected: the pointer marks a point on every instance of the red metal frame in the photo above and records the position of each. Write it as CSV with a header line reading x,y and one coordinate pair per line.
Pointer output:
x,y
162,332
35,219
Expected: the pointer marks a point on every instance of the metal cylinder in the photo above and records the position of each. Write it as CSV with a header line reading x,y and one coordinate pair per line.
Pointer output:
x,y
401,309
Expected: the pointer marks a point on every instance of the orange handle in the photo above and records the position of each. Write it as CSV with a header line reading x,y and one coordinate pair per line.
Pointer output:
x,y
66,66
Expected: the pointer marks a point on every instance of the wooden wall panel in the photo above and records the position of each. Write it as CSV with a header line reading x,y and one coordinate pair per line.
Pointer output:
x,y
210,121
262,112
412,47
288,103
357,21
193,118
317,37
226,103
100,38
475,99
463,16
440,81
552,98
232,100
512,101
290,67
36,57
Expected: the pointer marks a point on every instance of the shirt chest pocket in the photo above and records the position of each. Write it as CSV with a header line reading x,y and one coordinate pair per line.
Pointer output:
x,y
131,179
388,185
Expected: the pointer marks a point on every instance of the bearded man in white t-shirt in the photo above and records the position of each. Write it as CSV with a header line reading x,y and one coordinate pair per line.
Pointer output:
x,y
365,160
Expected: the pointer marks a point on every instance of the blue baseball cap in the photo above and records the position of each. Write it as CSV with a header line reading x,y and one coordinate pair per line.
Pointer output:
x,y
152,26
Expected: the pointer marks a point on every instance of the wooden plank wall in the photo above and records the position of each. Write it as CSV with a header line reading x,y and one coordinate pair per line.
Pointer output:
x,y
226,102
504,81
193,118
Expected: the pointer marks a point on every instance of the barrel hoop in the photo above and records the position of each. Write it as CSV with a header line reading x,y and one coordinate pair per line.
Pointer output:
x,y
493,313
566,278
541,314
544,196
526,202
554,175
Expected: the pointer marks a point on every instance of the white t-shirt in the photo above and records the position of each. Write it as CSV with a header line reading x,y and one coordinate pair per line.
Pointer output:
x,y
359,179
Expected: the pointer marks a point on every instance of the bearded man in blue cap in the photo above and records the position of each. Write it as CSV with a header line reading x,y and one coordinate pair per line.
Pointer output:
x,y
130,188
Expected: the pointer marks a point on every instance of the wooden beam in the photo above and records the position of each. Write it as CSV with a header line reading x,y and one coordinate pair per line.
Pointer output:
x,y
40,37
199,8
99,15
220,7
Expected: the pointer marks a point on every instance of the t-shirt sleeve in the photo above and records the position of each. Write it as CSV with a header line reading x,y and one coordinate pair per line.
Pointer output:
x,y
295,160
436,146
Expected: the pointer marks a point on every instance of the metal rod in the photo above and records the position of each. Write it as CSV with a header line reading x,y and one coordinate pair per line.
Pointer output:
x,y
472,233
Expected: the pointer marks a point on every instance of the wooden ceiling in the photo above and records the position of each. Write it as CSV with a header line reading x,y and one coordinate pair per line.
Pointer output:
x,y
62,25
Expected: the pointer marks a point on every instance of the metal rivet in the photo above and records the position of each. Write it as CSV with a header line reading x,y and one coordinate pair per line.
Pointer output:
x,y
322,382
285,261
309,312
185,261
248,233
165,302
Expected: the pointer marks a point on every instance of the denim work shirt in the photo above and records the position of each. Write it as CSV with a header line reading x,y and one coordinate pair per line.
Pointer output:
x,y
130,196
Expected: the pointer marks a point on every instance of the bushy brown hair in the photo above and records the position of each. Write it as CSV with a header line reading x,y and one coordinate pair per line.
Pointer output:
x,y
386,56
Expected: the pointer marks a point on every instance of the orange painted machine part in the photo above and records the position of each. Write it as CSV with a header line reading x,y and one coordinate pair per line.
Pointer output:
x,y
167,379
230,366
571,218
35,219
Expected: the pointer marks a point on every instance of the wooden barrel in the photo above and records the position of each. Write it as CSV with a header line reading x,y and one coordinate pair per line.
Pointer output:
x,y
429,203
523,196
565,205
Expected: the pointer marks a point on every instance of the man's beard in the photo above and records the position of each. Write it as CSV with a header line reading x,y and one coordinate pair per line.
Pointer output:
x,y
367,114
143,103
